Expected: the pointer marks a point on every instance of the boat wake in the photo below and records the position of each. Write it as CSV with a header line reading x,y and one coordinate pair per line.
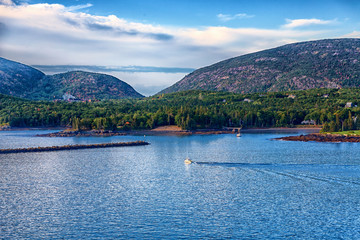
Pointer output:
x,y
329,173
230,164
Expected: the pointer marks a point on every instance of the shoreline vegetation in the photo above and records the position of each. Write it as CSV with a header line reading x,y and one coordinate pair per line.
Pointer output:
x,y
334,109
314,136
193,113
167,131
160,131
73,147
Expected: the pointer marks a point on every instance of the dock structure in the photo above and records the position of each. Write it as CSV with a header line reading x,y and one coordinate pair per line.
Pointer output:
x,y
73,147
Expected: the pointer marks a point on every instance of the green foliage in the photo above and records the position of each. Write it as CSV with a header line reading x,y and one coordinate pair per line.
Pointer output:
x,y
189,111
325,128
75,123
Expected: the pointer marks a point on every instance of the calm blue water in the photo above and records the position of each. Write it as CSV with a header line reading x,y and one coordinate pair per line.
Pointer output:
x,y
242,188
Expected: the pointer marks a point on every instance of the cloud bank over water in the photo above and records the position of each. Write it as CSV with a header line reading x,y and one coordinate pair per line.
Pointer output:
x,y
90,68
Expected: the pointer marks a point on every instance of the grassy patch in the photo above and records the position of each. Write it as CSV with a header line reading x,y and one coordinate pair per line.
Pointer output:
x,y
348,133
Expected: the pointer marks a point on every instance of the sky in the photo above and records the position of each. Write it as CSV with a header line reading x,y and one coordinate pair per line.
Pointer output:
x,y
151,44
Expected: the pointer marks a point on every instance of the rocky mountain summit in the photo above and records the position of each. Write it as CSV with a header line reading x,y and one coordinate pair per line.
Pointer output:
x,y
16,78
329,63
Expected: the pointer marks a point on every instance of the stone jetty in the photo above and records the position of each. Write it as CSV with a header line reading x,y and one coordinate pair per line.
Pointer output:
x,y
73,147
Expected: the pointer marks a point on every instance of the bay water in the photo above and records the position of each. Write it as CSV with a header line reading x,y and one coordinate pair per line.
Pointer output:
x,y
250,187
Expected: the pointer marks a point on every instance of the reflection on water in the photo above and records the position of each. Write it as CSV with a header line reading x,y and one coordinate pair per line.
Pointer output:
x,y
239,188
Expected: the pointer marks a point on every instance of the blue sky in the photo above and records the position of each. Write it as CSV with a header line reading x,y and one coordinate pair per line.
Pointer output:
x,y
179,13
153,44
265,13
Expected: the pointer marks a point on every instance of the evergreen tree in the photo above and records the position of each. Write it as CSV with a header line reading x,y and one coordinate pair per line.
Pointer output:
x,y
332,127
350,122
75,123
337,123
326,127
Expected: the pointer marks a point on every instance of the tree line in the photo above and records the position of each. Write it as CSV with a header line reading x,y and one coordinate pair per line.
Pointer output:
x,y
192,110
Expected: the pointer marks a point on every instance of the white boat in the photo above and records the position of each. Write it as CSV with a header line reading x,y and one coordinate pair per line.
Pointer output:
x,y
238,135
188,161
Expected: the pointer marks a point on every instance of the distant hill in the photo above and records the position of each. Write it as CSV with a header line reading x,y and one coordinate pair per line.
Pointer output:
x,y
17,79
82,85
327,63
20,80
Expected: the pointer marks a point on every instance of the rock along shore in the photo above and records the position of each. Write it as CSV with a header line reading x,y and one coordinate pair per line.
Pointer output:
x,y
82,134
73,147
133,132
319,137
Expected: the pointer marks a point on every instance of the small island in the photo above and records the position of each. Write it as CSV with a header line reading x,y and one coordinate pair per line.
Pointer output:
x,y
347,136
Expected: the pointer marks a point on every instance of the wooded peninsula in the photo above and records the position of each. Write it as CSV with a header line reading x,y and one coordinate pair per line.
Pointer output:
x,y
334,109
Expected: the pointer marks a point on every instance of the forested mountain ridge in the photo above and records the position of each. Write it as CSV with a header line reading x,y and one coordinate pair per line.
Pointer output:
x,y
82,85
329,63
20,80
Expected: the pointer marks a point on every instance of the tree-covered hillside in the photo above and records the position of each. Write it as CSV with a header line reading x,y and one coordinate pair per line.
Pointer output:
x,y
191,110
20,80
82,85
327,63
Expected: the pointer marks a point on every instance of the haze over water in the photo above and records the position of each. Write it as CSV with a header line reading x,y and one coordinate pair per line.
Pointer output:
x,y
241,188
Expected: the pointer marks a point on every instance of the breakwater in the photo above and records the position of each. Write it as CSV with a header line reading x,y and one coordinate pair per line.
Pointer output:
x,y
73,147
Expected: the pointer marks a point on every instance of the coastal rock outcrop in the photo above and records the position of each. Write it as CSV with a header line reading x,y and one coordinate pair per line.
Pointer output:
x,y
319,137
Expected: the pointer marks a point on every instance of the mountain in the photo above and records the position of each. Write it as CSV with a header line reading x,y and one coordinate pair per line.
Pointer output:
x,y
16,78
329,63
82,85
20,80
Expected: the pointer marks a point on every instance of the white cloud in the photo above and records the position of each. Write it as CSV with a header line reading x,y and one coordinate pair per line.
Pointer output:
x,y
6,2
52,34
228,17
57,18
354,34
296,23
78,7
243,39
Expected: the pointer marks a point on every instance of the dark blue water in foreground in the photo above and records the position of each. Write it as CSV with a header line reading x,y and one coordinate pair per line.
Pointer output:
x,y
242,188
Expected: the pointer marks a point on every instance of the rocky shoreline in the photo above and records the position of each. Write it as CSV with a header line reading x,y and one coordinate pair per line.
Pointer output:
x,y
93,133
320,137
166,131
67,133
